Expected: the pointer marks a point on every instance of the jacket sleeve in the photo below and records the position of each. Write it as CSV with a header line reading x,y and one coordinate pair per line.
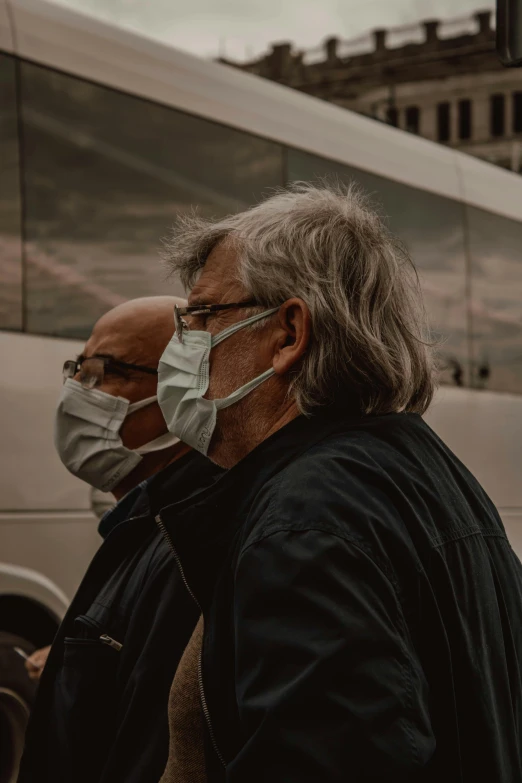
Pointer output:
x,y
327,681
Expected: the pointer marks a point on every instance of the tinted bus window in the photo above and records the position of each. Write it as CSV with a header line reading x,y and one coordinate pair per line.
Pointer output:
x,y
10,213
106,173
431,228
496,285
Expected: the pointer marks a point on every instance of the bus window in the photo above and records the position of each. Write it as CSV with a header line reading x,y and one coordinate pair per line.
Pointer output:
x,y
10,214
496,283
106,173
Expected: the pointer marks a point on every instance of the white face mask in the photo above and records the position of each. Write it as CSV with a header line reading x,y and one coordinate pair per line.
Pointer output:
x,y
183,378
87,435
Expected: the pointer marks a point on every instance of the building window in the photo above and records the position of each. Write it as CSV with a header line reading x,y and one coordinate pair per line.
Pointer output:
x,y
392,117
412,119
498,115
464,119
443,121
517,112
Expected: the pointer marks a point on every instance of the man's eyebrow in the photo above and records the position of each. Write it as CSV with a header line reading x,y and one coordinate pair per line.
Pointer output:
x,y
109,356
124,369
198,301
105,356
82,358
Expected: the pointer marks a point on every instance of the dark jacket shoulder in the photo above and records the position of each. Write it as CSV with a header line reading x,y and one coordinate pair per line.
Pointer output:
x,y
376,479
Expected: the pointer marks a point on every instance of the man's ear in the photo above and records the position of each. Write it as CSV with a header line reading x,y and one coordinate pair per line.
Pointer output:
x,y
293,334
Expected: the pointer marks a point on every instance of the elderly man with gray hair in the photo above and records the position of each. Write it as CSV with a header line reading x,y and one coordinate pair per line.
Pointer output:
x,y
360,603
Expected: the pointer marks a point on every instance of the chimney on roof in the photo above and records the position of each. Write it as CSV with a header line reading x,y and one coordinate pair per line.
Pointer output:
x,y
281,59
431,30
484,21
379,38
330,46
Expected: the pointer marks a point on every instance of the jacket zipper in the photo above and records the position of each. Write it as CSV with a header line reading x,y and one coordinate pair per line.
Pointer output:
x,y
104,639
202,697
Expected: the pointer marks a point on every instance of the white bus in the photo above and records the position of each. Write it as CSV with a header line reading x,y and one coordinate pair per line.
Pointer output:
x,y
104,136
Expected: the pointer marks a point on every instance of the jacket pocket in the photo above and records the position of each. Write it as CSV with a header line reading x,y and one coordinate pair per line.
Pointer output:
x,y
85,704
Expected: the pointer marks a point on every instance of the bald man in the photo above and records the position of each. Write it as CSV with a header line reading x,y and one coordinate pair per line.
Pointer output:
x,y
101,709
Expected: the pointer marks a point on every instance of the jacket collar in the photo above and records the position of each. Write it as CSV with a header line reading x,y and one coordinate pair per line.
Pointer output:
x,y
121,511
180,479
203,528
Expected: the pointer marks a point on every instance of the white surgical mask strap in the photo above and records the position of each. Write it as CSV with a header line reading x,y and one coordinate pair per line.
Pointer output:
x,y
244,390
158,444
241,325
136,406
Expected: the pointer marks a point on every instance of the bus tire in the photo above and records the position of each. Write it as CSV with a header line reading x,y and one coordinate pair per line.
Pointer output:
x,y
17,694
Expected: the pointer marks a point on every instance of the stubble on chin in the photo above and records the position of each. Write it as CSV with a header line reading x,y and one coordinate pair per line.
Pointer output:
x,y
230,439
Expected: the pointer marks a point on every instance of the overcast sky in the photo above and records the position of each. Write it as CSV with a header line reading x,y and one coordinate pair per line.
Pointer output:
x,y
245,27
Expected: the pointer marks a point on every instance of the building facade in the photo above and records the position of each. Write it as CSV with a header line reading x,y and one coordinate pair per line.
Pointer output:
x,y
440,80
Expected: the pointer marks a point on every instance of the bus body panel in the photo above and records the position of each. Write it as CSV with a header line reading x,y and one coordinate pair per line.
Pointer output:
x,y
32,476
57,546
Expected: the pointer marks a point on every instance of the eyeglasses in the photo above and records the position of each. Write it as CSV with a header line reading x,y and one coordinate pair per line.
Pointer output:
x,y
181,326
93,369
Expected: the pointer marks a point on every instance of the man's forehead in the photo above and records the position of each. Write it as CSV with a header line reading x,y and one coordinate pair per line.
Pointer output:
x,y
127,339
217,279
116,342
136,331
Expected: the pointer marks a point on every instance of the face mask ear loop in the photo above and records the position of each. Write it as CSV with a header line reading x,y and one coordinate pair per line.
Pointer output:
x,y
137,406
241,325
160,443
246,389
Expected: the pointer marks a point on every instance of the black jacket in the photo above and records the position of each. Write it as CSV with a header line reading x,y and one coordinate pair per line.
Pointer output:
x,y
101,714
363,610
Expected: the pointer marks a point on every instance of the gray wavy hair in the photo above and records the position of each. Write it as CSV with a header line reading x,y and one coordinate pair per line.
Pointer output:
x,y
328,246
